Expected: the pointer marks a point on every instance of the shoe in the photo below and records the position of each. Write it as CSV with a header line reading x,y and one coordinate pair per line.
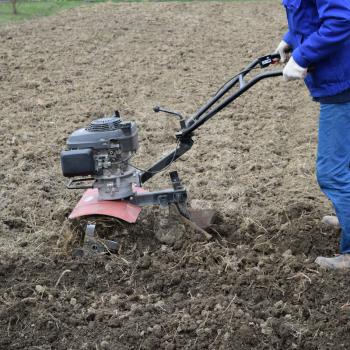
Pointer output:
x,y
337,263
330,221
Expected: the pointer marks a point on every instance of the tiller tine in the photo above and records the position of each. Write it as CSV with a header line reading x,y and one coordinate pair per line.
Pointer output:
x,y
91,244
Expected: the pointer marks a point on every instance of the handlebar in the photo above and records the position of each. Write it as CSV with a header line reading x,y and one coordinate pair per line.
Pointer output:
x,y
189,125
200,117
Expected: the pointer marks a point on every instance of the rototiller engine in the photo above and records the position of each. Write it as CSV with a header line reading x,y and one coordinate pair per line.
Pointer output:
x,y
98,158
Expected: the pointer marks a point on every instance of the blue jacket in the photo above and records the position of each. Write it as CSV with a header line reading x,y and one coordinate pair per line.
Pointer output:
x,y
319,33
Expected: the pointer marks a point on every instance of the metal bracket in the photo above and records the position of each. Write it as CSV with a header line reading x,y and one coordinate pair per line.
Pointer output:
x,y
162,198
176,195
72,183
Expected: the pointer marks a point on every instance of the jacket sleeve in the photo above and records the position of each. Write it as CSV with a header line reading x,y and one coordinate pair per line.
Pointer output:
x,y
335,29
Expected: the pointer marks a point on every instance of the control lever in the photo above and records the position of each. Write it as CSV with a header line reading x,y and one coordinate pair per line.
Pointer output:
x,y
158,109
265,61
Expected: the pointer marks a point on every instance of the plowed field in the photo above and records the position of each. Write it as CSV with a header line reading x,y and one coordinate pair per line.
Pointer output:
x,y
253,284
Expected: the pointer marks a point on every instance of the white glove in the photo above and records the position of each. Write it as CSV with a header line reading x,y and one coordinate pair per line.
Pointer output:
x,y
292,71
282,50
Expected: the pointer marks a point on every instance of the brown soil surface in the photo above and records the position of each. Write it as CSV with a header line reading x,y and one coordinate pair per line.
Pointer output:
x,y
254,284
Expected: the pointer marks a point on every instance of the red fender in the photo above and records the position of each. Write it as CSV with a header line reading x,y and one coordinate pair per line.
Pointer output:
x,y
120,209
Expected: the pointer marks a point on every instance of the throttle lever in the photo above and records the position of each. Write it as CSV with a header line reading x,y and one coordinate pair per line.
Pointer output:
x,y
265,61
158,109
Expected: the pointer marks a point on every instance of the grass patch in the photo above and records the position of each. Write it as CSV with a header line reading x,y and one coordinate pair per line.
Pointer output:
x,y
30,9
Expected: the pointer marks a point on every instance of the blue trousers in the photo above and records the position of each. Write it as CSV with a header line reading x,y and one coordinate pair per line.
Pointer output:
x,y
333,163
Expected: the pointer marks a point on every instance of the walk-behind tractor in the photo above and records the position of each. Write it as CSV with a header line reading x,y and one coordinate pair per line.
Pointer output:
x,y
98,159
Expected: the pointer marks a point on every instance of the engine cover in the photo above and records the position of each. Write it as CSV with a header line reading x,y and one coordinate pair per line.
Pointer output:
x,y
106,133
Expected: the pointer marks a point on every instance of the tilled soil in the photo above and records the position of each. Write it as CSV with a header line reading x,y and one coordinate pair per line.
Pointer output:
x,y
253,284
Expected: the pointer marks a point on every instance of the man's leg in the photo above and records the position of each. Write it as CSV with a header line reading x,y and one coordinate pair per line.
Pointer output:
x,y
333,171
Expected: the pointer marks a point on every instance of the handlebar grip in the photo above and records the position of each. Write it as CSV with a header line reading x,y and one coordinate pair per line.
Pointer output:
x,y
275,56
265,61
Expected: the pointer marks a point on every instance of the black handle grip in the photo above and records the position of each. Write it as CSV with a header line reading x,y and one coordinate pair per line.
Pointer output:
x,y
265,61
276,56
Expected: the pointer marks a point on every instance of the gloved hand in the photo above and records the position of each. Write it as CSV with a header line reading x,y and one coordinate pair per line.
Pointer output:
x,y
292,71
282,50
